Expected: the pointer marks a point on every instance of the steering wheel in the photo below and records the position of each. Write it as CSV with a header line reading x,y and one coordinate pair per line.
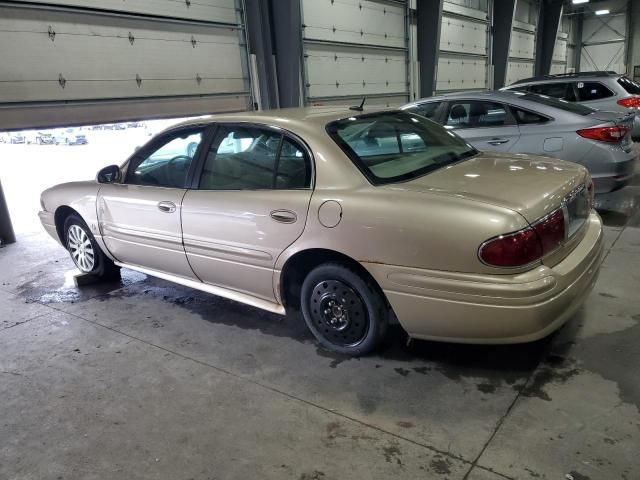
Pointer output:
x,y
177,167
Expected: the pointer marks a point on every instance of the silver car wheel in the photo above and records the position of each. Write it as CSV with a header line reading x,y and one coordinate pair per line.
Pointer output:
x,y
81,248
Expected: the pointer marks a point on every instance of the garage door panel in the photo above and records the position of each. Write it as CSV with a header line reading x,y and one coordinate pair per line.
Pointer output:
x,y
73,57
463,36
355,21
343,71
603,29
522,44
519,70
456,73
604,57
560,51
221,11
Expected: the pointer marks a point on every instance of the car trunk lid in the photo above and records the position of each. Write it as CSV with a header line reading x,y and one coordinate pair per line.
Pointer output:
x,y
530,185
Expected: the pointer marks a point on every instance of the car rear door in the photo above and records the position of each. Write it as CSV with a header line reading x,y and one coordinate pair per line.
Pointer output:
x,y
140,218
488,126
247,205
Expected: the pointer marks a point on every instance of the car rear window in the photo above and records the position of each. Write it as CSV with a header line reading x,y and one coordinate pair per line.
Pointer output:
x,y
588,91
629,85
556,103
395,146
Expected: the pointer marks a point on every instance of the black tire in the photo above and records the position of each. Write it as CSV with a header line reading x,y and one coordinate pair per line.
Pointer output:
x,y
102,265
345,312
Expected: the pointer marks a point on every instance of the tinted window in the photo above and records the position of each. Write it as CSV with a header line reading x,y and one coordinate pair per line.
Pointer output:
x,y
167,165
472,114
525,117
396,146
428,109
592,91
629,85
248,158
556,103
557,90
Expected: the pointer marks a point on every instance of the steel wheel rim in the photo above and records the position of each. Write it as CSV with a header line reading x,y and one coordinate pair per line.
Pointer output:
x,y
81,248
338,313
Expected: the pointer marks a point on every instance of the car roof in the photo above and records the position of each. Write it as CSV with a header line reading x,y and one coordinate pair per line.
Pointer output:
x,y
287,118
568,76
497,95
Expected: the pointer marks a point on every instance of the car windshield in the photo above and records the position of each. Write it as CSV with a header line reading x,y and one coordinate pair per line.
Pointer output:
x,y
629,85
396,146
556,103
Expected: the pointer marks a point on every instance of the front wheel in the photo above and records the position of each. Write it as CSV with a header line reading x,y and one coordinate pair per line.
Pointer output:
x,y
344,311
84,250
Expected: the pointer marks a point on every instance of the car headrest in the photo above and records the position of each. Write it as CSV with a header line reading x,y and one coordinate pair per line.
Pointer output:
x,y
477,109
381,130
458,112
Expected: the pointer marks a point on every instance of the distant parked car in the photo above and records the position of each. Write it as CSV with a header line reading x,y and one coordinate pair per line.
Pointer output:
x,y
519,122
121,126
600,90
44,138
74,139
17,137
4,138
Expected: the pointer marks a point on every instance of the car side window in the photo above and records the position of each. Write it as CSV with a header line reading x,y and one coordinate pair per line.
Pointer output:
x,y
588,91
168,164
525,117
250,158
563,90
427,109
476,114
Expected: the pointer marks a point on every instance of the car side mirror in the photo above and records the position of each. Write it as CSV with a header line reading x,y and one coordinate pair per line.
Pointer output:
x,y
110,174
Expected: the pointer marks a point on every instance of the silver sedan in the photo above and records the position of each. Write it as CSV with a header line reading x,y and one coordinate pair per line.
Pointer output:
x,y
517,122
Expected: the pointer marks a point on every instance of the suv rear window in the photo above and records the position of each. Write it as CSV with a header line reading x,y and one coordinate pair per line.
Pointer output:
x,y
395,146
588,91
556,103
629,85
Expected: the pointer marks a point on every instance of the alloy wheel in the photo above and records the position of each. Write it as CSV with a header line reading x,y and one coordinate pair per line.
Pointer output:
x,y
81,248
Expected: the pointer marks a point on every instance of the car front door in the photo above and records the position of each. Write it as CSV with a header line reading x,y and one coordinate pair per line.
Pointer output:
x,y
139,218
488,126
248,205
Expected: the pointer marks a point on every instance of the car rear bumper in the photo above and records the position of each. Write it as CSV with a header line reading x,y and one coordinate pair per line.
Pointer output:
x,y
470,308
621,175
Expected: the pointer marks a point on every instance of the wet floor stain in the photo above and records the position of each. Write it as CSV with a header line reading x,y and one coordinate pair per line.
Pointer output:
x,y
441,465
392,454
555,369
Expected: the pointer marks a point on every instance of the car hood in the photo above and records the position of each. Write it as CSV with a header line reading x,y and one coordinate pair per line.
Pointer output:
x,y
531,185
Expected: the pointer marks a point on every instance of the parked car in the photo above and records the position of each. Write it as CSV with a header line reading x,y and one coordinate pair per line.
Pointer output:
x,y
520,122
76,139
17,137
42,138
346,215
609,91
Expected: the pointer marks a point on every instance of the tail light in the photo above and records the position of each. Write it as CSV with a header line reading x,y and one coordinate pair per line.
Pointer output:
x,y
604,134
527,245
629,102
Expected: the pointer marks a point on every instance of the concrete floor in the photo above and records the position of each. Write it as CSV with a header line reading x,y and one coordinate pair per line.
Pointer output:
x,y
141,379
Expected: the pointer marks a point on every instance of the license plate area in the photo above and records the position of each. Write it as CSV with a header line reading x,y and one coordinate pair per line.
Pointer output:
x,y
576,211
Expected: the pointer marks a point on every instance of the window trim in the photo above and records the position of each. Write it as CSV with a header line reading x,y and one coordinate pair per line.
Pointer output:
x,y
194,181
511,121
158,142
528,110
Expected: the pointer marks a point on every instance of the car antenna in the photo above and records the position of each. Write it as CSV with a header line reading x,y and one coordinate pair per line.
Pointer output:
x,y
359,108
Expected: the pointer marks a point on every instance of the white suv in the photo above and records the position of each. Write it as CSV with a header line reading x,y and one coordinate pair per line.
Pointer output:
x,y
600,90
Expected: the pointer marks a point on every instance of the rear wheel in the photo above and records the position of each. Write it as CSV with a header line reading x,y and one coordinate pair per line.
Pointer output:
x,y
84,250
344,311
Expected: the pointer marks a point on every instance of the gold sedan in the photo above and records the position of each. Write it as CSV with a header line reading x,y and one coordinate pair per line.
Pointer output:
x,y
354,218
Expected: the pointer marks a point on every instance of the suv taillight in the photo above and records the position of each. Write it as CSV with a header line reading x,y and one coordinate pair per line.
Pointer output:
x,y
604,134
525,246
629,102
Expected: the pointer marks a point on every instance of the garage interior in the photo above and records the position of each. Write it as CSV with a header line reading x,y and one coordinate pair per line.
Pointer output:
x,y
139,378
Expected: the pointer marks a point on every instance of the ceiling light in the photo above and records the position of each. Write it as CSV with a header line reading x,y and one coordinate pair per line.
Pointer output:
x,y
602,12
576,2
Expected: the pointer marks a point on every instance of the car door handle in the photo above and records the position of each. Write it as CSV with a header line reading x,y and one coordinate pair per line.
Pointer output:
x,y
167,207
284,216
498,141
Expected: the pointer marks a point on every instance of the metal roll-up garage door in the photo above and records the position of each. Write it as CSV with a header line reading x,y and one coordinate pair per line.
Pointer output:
x,y
463,60
354,49
78,62
522,49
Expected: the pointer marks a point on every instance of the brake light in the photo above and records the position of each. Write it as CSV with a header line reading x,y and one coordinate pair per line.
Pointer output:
x,y
604,134
526,246
629,102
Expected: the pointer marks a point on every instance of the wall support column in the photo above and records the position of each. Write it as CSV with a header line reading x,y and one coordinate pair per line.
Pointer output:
x,y
429,20
501,31
548,24
6,229
287,36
